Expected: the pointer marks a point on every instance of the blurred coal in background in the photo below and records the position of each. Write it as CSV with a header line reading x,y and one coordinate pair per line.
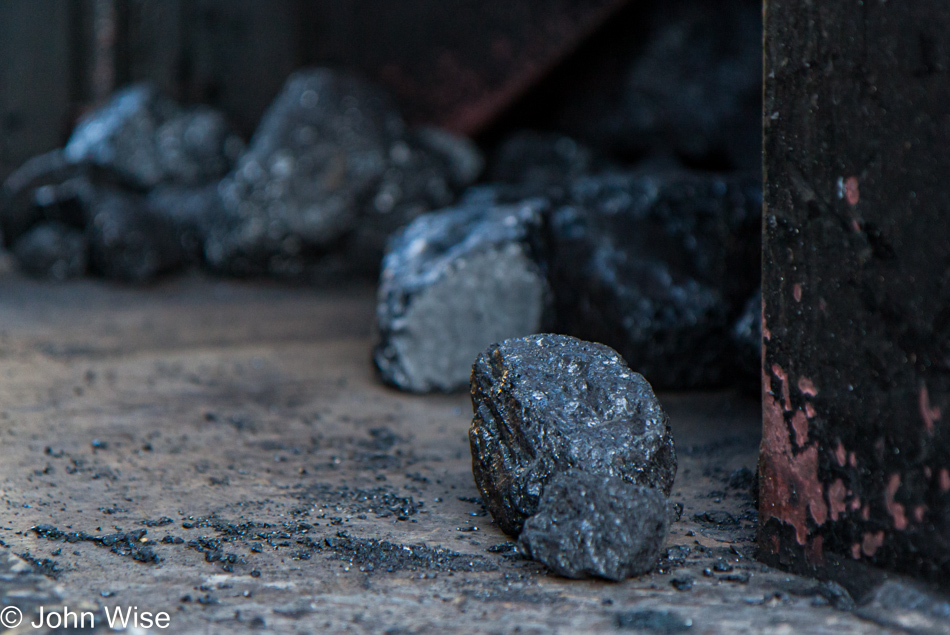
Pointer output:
x,y
290,139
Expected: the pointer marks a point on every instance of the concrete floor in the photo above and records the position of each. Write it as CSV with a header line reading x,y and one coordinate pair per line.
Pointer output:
x,y
282,489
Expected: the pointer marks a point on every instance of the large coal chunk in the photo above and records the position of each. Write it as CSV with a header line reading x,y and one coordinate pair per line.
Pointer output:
x,y
658,266
150,139
596,526
452,283
332,166
545,404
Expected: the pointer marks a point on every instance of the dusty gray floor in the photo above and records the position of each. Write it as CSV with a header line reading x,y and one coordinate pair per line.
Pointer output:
x,y
282,489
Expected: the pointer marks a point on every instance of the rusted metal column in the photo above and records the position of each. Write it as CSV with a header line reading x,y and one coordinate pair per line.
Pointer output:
x,y
855,458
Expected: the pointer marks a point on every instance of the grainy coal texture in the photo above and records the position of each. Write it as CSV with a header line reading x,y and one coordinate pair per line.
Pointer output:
x,y
332,166
596,526
658,266
150,139
545,404
452,283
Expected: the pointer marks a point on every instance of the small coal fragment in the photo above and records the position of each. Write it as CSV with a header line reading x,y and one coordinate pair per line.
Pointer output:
x,y
150,139
682,584
547,403
596,526
332,168
654,621
658,266
52,250
452,283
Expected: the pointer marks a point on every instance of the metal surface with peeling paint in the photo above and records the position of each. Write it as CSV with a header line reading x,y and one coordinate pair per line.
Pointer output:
x,y
856,286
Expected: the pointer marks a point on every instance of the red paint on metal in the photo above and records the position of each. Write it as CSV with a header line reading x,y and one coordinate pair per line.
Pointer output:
x,y
840,454
797,291
928,413
944,479
836,496
851,191
807,387
800,426
872,542
896,510
789,480
783,376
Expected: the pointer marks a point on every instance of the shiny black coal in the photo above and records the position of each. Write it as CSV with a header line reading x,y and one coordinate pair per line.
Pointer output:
x,y
545,404
596,526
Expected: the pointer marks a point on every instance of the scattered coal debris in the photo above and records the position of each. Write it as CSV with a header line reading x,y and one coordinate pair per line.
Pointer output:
x,y
131,544
43,566
380,555
658,266
382,501
452,283
332,168
596,526
547,403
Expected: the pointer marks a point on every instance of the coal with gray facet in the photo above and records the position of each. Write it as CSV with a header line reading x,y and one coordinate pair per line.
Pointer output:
x,y
545,404
331,167
452,283
596,526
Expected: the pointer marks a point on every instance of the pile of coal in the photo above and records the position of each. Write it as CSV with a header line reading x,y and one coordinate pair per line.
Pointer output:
x,y
129,197
332,168
658,266
596,526
149,139
572,450
452,283
674,78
